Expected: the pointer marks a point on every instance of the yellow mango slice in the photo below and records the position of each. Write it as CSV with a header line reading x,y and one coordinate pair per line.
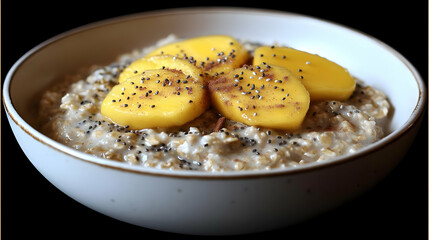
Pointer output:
x,y
161,62
156,98
324,79
264,96
215,54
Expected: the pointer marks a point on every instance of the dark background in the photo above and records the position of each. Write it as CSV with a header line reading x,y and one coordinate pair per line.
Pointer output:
x,y
395,208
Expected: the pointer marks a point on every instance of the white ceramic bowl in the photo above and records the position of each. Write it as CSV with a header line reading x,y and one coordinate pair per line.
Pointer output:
x,y
213,203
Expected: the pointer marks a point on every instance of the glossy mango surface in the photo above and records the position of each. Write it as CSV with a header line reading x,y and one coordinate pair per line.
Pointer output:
x,y
156,98
215,54
324,79
261,96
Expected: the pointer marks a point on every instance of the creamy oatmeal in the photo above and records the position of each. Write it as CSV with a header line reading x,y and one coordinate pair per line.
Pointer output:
x,y
70,114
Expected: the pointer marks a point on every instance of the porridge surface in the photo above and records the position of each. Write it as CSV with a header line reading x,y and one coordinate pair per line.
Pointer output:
x,y
70,114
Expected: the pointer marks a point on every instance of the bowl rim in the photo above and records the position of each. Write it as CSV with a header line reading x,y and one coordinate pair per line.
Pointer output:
x,y
415,116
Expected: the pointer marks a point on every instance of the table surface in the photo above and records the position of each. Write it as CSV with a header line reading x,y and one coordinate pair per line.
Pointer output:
x,y
396,207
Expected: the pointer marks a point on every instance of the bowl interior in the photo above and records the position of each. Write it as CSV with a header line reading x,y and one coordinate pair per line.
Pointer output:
x,y
101,43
